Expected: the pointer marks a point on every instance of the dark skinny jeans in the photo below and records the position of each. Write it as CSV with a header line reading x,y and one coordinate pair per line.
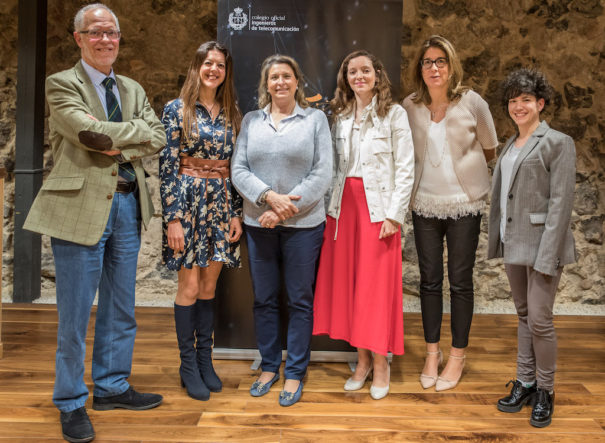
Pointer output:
x,y
462,236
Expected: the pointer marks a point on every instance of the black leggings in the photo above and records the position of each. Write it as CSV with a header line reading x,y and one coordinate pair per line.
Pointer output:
x,y
462,236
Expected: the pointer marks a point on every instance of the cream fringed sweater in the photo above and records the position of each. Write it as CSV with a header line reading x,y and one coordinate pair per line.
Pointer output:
x,y
469,130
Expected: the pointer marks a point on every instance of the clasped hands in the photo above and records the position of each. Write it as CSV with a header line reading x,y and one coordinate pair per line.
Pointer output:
x,y
282,208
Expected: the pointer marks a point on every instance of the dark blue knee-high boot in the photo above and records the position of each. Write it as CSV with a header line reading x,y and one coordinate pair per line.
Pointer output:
x,y
204,327
184,320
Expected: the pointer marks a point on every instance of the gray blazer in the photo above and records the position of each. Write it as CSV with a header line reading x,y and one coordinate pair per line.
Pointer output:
x,y
540,201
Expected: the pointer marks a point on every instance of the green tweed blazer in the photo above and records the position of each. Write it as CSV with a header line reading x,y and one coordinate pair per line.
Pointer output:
x,y
75,200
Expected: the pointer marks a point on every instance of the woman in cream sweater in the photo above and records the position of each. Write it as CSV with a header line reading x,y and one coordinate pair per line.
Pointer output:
x,y
454,138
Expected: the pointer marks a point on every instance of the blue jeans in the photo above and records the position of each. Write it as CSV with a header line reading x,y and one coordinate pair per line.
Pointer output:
x,y
293,251
109,266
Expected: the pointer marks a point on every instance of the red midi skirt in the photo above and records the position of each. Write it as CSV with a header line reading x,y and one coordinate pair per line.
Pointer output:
x,y
358,293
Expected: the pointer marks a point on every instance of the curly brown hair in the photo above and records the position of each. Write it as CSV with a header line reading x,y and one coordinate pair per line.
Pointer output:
x,y
264,98
455,88
344,97
225,93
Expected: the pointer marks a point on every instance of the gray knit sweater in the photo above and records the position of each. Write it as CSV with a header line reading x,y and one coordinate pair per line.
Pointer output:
x,y
295,159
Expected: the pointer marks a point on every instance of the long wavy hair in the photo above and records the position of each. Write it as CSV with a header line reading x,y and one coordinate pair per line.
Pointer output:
x,y
264,98
225,93
344,97
454,88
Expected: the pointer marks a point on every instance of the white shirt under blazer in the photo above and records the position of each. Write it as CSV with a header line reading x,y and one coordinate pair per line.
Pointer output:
x,y
387,162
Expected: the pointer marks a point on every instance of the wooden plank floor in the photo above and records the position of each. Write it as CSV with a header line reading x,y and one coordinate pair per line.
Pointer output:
x,y
326,412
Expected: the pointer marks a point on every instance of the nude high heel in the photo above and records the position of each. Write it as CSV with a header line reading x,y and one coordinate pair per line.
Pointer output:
x,y
430,380
444,384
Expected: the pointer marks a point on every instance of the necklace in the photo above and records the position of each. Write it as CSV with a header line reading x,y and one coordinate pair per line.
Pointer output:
x,y
436,112
428,154
209,109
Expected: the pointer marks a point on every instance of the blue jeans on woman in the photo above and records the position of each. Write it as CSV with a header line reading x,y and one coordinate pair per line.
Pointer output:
x,y
109,266
293,252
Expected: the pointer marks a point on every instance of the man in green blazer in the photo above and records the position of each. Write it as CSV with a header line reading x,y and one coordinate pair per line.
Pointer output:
x,y
92,205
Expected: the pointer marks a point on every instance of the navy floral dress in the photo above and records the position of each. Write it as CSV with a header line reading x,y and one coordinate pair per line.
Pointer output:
x,y
205,220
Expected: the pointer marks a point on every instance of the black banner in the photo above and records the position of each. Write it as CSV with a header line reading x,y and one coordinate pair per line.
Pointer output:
x,y
317,33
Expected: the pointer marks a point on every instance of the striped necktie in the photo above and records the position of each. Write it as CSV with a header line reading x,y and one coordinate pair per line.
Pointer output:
x,y
114,114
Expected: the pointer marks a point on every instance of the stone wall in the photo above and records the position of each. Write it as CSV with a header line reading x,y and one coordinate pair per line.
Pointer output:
x,y
563,38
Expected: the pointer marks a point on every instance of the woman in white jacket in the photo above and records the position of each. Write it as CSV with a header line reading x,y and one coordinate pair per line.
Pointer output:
x,y
358,296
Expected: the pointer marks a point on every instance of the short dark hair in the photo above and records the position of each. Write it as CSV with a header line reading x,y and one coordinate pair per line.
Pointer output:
x,y
525,81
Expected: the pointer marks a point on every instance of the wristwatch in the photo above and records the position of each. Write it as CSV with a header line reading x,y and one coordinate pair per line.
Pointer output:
x,y
263,197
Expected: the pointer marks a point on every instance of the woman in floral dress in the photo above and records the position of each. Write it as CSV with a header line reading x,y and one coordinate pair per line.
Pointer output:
x,y
201,211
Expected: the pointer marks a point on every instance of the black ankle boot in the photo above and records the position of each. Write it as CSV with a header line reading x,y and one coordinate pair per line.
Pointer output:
x,y
204,327
184,317
518,397
541,416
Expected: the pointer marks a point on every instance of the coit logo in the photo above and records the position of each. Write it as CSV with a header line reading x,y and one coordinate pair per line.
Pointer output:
x,y
237,19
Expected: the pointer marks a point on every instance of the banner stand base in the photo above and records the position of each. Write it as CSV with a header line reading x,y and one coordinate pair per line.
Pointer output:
x,y
316,356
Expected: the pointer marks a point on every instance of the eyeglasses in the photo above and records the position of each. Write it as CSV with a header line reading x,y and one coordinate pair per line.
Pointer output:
x,y
427,63
97,34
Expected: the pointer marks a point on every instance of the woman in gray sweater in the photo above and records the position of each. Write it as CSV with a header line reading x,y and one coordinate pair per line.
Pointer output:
x,y
282,167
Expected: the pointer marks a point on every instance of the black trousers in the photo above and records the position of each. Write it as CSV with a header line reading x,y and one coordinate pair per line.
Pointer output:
x,y
462,236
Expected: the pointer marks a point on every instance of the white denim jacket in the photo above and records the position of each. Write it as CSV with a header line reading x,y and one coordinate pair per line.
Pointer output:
x,y
387,163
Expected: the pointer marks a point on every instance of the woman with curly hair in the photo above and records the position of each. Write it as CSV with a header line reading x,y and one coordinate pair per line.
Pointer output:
x,y
358,297
454,137
529,225
201,211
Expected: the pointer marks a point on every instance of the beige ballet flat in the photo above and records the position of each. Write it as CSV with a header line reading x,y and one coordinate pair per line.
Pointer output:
x,y
426,381
444,384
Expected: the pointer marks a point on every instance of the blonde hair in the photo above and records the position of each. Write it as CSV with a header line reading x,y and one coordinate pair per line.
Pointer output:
x,y
264,98
454,88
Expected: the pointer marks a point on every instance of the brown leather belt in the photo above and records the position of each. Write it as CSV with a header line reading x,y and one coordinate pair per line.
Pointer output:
x,y
205,168
126,187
